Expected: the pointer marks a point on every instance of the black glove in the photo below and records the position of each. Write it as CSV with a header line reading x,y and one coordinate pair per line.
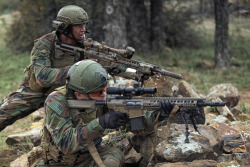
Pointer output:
x,y
165,108
112,119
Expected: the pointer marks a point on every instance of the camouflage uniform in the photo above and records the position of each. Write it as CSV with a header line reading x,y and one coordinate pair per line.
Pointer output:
x,y
67,132
48,70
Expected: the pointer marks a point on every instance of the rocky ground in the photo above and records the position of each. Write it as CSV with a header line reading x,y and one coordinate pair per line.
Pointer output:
x,y
224,139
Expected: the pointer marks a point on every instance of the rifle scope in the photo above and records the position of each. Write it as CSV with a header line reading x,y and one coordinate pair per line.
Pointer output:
x,y
130,91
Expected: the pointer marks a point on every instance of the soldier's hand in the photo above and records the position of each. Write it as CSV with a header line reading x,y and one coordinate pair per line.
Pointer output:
x,y
112,119
165,108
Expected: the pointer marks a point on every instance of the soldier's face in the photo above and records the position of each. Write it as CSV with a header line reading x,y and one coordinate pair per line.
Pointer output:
x,y
79,31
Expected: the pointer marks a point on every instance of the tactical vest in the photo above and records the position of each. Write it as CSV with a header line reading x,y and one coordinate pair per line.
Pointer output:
x,y
78,117
58,58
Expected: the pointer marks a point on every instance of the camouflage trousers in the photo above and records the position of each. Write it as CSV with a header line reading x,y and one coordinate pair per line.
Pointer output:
x,y
19,104
111,156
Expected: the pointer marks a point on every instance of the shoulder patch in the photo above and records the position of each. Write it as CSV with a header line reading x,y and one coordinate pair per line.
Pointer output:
x,y
57,107
61,89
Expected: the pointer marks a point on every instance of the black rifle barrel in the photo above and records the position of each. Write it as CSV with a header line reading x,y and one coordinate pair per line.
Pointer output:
x,y
101,103
212,104
168,73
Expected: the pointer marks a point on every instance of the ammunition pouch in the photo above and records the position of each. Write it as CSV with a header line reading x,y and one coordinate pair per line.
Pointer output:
x,y
52,152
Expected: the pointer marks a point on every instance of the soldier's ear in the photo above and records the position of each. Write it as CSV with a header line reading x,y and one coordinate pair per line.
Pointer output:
x,y
77,94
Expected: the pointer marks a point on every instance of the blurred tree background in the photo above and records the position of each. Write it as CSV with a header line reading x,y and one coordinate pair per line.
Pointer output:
x,y
147,25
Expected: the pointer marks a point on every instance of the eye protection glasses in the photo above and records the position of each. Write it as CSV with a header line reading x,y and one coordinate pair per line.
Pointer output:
x,y
99,93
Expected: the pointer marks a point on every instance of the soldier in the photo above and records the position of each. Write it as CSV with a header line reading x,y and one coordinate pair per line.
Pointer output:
x,y
48,67
68,131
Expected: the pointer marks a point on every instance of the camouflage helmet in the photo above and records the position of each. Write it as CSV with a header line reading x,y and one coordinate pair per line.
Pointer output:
x,y
70,15
87,77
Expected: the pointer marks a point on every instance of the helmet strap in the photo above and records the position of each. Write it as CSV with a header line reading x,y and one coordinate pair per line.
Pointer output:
x,y
68,31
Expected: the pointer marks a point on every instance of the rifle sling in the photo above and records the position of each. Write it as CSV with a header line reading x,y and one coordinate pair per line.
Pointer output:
x,y
170,118
95,155
169,122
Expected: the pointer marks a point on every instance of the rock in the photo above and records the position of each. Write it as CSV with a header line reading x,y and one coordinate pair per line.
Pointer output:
x,y
30,159
236,111
132,157
35,155
121,82
35,125
234,144
23,138
223,110
21,161
244,117
212,134
8,154
243,127
204,64
174,149
224,129
213,117
195,163
226,92
229,164
186,90
38,114
163,84
220,119
248,146
124,144
210,117
227,113
242,158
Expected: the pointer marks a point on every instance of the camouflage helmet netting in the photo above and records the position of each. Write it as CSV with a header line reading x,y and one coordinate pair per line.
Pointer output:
x,y
72,15
87,77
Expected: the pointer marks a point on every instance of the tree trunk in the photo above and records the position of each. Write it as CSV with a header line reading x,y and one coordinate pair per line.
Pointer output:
x,y
222,60
97,17
157,29
201,7
137,26
35,21
115,24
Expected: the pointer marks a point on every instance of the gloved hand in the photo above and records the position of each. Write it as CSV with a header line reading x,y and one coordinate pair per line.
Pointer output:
x,y
112,119
165,108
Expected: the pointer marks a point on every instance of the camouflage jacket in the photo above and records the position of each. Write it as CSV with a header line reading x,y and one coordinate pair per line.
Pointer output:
x,y
49,65
67,132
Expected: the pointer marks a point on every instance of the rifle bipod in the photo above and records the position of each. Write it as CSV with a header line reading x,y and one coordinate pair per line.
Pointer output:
x,y
186,116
